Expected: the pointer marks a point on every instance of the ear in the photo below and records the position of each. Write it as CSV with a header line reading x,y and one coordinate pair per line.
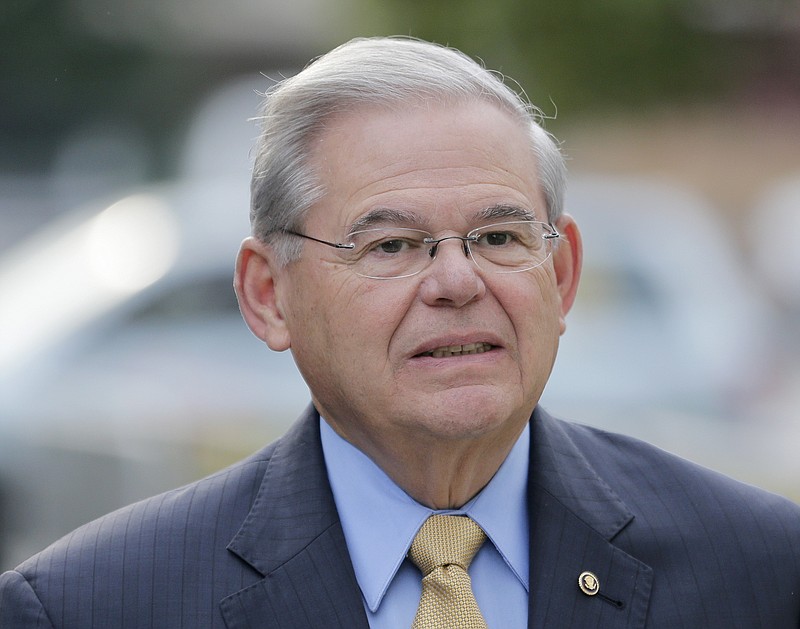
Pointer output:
x,y
567,262
257,288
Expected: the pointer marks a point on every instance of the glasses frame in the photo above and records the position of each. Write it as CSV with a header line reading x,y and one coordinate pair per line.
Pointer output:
x,y
552,235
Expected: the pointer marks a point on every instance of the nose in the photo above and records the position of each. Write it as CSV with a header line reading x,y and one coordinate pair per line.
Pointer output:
x,y
452,279
465,240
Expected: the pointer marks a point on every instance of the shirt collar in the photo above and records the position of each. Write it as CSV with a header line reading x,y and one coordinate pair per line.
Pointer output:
x,y
380,520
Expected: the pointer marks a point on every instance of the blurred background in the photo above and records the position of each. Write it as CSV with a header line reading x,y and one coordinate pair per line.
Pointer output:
x,y
125,132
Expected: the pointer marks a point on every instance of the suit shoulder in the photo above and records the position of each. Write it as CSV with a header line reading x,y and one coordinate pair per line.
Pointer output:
x,y
657,480
177,539
212,506
161,562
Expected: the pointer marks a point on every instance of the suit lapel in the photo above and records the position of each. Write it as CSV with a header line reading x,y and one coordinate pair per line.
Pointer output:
x,y
575,517
293,537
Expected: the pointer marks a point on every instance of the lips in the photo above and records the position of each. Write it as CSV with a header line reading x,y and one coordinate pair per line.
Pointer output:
x,y
458,350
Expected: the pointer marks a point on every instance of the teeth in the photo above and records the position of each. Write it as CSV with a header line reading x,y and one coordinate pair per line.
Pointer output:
x,y
459,350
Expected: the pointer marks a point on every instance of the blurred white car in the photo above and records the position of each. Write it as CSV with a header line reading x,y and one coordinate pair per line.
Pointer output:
x,y
774,241
125,366
672,337
665,313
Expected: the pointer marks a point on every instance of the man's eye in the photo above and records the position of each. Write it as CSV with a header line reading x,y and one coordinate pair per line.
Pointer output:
x,y
395,245
497,239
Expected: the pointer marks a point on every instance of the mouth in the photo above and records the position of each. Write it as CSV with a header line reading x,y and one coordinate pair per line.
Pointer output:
x,y
458,350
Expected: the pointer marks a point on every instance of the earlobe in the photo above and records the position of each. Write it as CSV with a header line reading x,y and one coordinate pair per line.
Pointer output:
x,y
258,291
567,262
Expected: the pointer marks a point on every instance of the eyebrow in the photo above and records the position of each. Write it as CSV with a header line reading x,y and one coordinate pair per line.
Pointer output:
x,y
383,216
505,210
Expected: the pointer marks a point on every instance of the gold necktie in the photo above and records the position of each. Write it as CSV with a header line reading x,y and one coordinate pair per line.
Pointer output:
x,y
442,550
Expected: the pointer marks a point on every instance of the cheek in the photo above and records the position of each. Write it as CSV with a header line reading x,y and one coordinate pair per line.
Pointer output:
x,y
356,316
535,314
378,312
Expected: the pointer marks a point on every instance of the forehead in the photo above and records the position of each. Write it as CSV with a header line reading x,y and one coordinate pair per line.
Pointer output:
x,y
439,163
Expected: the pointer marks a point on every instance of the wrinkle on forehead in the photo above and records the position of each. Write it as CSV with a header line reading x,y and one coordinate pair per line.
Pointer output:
x,y
384,168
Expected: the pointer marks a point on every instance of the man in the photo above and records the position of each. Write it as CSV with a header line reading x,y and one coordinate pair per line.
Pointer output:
x,y
409,247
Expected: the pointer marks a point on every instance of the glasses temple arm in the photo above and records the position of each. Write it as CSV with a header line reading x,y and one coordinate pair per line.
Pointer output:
x,y
335,245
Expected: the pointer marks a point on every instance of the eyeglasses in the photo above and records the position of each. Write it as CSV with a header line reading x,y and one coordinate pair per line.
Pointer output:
x,y
396,252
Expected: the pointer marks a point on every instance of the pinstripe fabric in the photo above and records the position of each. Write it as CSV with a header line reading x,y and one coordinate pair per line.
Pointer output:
x,y
165,564
260,545
672,544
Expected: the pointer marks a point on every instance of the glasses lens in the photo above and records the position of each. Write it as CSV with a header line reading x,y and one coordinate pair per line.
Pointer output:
x,y
401,252
389,253
511,247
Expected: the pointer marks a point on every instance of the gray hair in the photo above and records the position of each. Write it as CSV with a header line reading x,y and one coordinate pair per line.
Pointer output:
x,y
387,71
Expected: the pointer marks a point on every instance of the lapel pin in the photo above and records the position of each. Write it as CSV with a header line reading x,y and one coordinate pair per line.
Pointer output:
x,y
588,583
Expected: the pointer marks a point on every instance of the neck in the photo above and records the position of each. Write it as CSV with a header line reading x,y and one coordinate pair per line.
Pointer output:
x,y
439,473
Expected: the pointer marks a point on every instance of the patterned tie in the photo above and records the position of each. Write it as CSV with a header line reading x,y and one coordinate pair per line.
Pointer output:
x,y
442,550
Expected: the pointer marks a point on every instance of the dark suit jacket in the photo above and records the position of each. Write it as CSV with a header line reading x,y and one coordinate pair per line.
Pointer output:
x,y
260,545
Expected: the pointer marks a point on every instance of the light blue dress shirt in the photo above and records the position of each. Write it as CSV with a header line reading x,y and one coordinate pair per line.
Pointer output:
x,y
380,520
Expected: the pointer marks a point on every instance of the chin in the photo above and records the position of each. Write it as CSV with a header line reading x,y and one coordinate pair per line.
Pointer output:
x,y
469,415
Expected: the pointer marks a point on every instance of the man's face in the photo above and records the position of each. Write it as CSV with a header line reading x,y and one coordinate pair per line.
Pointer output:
x,y
364,345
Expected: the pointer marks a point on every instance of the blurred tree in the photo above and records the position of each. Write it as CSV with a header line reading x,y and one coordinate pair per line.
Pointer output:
x,y
583,55
55,76
50,73
572,56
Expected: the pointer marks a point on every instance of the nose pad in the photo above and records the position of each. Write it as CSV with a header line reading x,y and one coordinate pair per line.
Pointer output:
x,y
465,240
455,281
